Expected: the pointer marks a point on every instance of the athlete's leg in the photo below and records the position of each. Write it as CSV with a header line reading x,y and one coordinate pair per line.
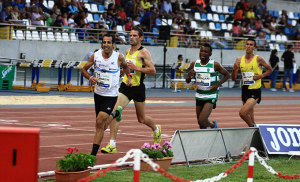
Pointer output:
x,y
204,114
247,111
101,126
122,101
198,111
141,116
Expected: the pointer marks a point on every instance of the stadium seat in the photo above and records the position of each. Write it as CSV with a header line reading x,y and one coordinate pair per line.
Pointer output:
x,y
268,37
155,31
73,37
65,37
28,35
209,17
276,14
59,37
203,17
277,47
88,7
284,38
224,26
291,15
231,10
197,16
158,22
213,8
218,26
271,46
90,17
287,31
229,26
194,25
221,18
101,8
212,26
96,17
164,22
50,4
43,36
120,29
225,10
209,34
215,17
94,8
149,40
20,35
51,36
271,12
227,36
219,9
281,46
294,22
296,15
170,21
35,35
278,38
273,38
203,33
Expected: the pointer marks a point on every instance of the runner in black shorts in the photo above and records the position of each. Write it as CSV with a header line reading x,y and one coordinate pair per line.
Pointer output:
x,y
251,67
104,104
201,103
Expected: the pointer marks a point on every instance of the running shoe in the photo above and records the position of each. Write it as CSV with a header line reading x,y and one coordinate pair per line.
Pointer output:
x,y
157,135
216,125
109,149
120,109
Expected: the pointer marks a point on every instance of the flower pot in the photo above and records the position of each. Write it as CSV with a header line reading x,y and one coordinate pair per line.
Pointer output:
x,y
62,176
164,163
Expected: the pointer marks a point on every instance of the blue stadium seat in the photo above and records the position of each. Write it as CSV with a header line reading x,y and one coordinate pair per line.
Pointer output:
x,y
149,40
282,47
287,31
203,16
276,14
296,15
231,9
289,21
101,8
218,26
222,17
155,30
268,37
96,17
226,45
158,22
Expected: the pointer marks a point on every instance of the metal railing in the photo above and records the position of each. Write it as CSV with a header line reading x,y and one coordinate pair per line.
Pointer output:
x,y
177,39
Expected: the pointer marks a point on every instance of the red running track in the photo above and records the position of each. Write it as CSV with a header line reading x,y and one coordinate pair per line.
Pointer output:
x,y
62,128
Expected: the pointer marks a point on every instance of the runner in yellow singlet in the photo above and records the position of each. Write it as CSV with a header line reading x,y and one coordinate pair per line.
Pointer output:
x,y
140,63
252,73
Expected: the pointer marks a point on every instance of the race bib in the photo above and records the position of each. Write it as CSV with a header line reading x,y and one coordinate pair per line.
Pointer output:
x,y
104,79
134,62
203,79
248,78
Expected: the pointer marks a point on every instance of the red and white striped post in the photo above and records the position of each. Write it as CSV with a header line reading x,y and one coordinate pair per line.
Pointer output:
x,y
251,164
137,166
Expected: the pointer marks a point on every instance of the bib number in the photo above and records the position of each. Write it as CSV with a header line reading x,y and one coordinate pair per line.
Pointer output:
x,y
104,79
248,78
203,79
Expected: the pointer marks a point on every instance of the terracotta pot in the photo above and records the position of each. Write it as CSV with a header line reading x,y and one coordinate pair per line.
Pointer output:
x,y
164,163
62,176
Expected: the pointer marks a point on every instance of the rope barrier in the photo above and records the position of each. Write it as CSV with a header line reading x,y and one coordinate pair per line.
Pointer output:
x,y
139,155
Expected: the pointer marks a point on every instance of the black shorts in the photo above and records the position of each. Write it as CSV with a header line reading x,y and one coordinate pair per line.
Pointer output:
x,y
104,104
250,93
202,102
136,93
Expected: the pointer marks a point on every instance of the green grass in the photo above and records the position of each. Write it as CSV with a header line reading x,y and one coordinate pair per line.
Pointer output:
x,y
279,164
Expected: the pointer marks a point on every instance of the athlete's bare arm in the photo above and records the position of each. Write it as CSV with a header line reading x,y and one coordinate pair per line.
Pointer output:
x,y
84,70
219,68
262,63
235,69
125,68
145,57
191,72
